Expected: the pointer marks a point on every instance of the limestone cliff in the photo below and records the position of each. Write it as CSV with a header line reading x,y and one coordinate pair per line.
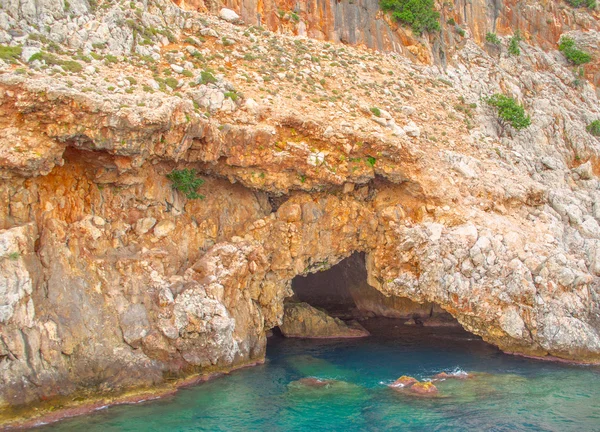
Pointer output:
x,y
361,22
310,151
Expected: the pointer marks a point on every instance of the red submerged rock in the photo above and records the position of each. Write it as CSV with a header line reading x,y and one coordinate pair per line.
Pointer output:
x,y
424,388
315,382
455,375
404,381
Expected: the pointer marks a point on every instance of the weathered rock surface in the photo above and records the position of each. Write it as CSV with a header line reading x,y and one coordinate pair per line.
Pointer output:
x,y
304,321
112,280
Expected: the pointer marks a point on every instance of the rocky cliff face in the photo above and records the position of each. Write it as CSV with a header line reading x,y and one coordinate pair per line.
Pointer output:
x,y
354,22
112,280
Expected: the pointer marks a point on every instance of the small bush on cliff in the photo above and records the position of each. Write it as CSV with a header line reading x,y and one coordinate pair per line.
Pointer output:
x,y
492,38
513,45
566,45
580,3
509,111
187,182
594,128
420,15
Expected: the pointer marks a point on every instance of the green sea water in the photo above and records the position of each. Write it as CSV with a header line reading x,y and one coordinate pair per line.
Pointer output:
x,y
507,393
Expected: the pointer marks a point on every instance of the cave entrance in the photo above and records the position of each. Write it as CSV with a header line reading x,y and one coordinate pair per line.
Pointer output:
x,y
332,289
343,292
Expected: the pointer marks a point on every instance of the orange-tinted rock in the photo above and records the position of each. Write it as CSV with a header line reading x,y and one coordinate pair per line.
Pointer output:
x,y
404,381
424,388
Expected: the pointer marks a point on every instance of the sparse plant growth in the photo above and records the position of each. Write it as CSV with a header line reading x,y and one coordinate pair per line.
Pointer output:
x,y
111,59
492,38
172,82
574,55
376,111
187,182
206,77
72,66
420,15
10,54
233,95
509,111
451,21
460,31
513,45
371,161
13,256
594,128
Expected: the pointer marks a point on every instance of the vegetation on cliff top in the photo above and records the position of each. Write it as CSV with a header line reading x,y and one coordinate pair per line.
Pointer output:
x,y
509,111
420,15
187,182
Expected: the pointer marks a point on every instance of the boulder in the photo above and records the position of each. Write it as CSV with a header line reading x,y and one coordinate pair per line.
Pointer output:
x,y
228,15
304,321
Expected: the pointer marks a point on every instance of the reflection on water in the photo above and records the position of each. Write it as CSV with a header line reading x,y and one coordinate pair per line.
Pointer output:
x,y
351,393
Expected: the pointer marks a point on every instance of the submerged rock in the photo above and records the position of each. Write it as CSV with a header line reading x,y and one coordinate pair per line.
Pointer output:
x,y
315,382
304,321
409,385
404,381
452,375
424,388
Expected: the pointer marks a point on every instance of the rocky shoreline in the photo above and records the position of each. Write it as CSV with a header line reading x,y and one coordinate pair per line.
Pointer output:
x,y
30,417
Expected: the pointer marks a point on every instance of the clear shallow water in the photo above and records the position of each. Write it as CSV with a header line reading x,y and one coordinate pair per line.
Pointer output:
x,y
510,394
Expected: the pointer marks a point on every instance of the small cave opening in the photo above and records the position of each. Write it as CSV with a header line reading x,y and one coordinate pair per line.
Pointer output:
x,y
324,303
343,291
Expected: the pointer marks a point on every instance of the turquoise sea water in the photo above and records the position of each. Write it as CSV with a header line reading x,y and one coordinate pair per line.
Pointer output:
x,y
507,394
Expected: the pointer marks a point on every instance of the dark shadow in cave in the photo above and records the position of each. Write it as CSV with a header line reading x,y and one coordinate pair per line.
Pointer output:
x,y
343,291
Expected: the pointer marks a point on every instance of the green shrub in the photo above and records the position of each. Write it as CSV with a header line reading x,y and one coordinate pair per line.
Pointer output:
x,y
420,15
371,161
594,128
10,54
233,95
71,66
509,111
451,21
566,45
187,73
460,31
376,111
187,182
492,38
207,77
579,3
513,45
172,82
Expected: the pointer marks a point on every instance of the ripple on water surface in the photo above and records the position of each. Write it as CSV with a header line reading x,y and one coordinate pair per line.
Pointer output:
x,y
348,390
